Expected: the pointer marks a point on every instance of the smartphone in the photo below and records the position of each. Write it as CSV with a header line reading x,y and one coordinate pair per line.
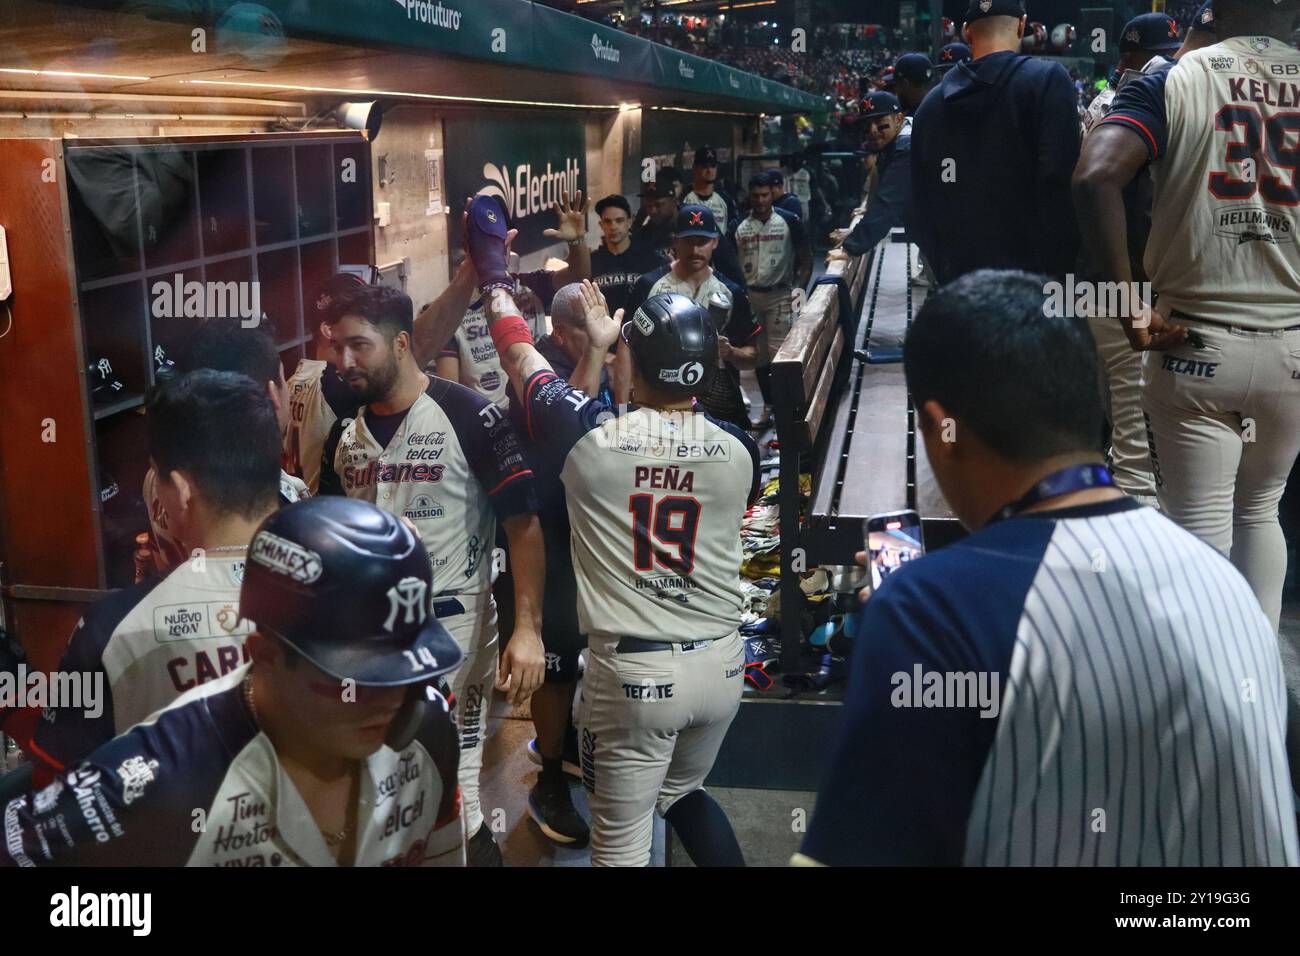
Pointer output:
x,y
891,540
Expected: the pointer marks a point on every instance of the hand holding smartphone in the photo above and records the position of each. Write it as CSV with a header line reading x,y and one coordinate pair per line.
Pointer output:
x,y
890,541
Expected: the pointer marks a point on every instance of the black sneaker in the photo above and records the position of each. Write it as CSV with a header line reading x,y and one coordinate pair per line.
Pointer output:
x,y
571,764
551,808
482,850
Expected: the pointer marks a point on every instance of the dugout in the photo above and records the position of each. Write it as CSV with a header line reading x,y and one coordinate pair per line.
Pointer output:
x,y
145,141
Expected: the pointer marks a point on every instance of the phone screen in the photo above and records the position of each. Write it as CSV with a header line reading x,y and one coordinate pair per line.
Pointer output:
x,y
892,541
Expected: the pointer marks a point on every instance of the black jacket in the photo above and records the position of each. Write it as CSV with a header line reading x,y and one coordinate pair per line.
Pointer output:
x,y
1010,126
889,205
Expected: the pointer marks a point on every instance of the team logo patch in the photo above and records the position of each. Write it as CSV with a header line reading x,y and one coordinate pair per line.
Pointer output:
x,y
986,6
491,216
408,595
1133,36
697,219
688,374
285,557
1260,44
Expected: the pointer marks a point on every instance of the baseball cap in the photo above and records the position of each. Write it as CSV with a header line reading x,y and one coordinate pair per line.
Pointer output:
x,y
880,103
1203,22
693,220
916,68
614,201
954,53
888,75
979,9
706,156
661,188
774,177
1150,31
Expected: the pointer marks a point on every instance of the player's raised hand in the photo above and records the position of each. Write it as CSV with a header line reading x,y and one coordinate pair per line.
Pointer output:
x,y
1149,329
602,328
571,217
522,667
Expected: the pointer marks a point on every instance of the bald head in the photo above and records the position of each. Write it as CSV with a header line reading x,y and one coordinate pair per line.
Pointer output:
x,y
568,321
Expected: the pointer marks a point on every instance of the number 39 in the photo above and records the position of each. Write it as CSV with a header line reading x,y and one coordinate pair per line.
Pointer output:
x,y
1273,138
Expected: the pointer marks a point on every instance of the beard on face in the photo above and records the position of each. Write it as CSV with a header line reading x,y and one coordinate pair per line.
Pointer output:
x,y
373,384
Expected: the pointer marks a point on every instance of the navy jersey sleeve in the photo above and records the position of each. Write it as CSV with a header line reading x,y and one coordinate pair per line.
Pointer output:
x,y
888,206
491,446
1140,107
542,283
742,328
558,415
798,234
746,440
133,801
329,483
65,735
916,767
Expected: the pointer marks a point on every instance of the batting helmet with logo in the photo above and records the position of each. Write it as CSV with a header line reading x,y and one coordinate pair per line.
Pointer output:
x,y
674,343
347,586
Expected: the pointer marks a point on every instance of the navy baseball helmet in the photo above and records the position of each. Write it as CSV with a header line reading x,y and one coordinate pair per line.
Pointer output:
x,y
674,343
347,585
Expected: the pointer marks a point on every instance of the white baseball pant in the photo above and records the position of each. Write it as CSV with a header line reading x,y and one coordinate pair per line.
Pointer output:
x,y
650,725
1121,370
475,631
774,312
1224,428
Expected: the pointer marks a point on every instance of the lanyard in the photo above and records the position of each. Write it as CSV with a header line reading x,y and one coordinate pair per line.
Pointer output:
x,y
1056,485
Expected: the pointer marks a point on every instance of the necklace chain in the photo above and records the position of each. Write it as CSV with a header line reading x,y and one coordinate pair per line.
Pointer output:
x,y
331,839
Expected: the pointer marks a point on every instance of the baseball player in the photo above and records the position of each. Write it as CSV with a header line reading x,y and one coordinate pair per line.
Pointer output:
x,y
214,442
1221,373
1201,31
619,260
1148,43
225,347
774,252
704,178
469,357
329,749
450,462
691,274
780,198
317,396
655,500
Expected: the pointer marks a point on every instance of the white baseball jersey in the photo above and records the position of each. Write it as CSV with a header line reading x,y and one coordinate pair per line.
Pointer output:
x,y
655,503
453,465
132,802
767,249
1222,128
317,399
714,203
480,366
147,645
800,181
1101,103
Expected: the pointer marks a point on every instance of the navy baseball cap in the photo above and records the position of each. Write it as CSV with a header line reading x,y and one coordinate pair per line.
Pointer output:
x,y
662,188
954,53
1203,22
979,9
880,103
693,220
1150,31
916,68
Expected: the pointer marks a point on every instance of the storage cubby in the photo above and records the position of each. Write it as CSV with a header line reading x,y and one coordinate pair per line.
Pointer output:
x,y
273,195
224,214
354,249
277,276
315,180
169,211
123,458
170,332
103,211
351,191
114,318
319,262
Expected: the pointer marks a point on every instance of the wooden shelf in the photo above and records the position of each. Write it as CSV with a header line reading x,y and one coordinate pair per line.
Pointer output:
x,y
121,405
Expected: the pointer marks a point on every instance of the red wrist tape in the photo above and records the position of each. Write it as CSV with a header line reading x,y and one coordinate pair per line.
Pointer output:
x,y
510,330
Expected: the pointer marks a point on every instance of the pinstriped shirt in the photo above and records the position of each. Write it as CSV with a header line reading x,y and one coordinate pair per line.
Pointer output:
x,y
1139,719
